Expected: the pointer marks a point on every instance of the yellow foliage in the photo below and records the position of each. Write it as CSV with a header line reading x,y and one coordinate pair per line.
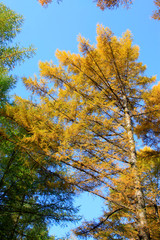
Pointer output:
x,y
112,3
44,2
84,120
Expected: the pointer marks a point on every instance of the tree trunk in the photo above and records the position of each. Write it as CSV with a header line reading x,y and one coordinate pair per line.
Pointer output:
x,y
143,230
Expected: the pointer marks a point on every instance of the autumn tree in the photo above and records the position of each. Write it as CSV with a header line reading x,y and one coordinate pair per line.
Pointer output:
x,y
122,221
148,162
89,107
149,124
31,197
113,4
100,3
103,4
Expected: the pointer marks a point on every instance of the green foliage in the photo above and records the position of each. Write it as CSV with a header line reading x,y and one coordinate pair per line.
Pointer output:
x,y
28,200
32,196
10,53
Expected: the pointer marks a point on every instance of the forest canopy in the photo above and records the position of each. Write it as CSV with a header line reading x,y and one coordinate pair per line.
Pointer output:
x,y
90,125
31,194
91,107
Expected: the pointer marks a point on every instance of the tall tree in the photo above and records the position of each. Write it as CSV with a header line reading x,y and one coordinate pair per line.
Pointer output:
x,y
122,221
28,199
89,107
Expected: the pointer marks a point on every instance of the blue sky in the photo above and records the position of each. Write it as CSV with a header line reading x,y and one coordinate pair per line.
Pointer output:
x,y
57,27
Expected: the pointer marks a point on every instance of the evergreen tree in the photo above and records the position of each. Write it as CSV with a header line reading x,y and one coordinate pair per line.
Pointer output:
x,y
28,201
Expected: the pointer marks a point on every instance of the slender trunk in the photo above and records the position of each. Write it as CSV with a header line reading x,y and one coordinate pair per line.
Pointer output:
x,y
143,230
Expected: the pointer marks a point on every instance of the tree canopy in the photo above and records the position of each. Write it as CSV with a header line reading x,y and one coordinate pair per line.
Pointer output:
x,y
90,110
10,54
91,125
100,3
112,4
31,194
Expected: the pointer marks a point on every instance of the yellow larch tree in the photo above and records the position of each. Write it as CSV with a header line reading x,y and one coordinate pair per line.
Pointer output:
x,y
122,221
149,124
85,120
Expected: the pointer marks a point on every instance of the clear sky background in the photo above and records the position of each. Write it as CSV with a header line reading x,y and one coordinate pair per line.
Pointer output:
x,y
57,27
